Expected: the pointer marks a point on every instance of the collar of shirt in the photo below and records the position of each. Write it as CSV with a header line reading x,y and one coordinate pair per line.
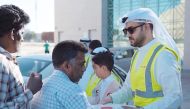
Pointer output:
x,y
104,84
61,74
6,53
148,45
108,79
142,52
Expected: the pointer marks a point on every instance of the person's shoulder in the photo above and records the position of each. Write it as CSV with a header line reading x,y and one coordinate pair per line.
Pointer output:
x,y
3,59
55,81
114,84
167,58
71,89
69,86
59,81
75,87
167,54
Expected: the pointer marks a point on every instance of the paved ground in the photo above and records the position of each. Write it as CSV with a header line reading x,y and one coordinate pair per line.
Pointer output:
x,y
33,48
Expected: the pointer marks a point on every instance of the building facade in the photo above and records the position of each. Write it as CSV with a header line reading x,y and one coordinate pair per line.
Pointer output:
x,y
76,18
99,19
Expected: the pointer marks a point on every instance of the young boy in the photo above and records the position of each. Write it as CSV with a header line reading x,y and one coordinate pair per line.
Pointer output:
x,y
102,64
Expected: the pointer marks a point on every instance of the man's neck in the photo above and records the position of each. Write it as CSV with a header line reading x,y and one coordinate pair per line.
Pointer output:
x,y
106,74
148,39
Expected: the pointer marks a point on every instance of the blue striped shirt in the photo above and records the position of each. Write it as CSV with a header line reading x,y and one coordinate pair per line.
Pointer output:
x,y
12,91
59,92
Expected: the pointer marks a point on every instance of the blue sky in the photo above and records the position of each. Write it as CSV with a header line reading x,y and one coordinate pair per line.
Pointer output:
x,y
41,13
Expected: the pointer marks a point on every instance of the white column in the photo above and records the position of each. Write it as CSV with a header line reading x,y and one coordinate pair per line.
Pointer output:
x,y
186,59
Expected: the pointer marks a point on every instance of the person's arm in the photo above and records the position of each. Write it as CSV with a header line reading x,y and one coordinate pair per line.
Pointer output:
x,y
167,74
18,97
124,94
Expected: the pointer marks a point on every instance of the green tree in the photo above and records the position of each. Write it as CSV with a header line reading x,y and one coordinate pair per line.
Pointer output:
x,y
29,35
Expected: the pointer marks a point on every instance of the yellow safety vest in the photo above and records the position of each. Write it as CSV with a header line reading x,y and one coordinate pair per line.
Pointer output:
x,y
87,59
94,81
145,88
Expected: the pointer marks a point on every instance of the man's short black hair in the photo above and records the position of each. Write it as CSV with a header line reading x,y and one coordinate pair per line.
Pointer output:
x,y
65,51
12,18
104,58
95,44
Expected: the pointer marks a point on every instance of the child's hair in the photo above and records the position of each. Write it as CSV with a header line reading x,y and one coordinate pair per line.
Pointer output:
x,y
104,58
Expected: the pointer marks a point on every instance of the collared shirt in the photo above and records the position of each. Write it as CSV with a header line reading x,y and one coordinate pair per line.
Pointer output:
x,y
167,75
104,85
12,92
59,92
103,89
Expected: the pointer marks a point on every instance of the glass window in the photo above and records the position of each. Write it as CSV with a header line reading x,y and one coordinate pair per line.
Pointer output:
x,y
28,65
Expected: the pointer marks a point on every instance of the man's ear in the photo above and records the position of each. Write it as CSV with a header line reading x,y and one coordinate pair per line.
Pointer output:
x,y
11,34
65,67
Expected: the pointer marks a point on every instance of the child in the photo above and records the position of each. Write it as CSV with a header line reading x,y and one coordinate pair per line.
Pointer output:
x,y
102,64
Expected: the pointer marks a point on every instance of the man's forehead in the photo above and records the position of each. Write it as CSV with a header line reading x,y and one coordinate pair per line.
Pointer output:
x,y
130,23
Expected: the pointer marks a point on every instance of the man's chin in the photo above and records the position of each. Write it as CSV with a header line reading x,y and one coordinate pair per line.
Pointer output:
x,y
13,50
76,81
131,42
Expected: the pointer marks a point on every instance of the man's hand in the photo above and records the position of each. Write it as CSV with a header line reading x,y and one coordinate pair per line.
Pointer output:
x,y
35,82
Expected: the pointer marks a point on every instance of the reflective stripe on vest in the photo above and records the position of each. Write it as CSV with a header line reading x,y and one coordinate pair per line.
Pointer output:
x,y
87,59
149,90
92,83
143,83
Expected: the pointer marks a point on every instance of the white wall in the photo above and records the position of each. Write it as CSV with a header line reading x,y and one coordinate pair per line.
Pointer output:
x,y
186,60
73,18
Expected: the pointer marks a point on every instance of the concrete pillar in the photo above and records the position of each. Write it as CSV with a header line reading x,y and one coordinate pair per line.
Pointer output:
x,y
186,59
104,23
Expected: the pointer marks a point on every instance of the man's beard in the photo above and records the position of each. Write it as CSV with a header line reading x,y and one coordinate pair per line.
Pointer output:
x,y
140,40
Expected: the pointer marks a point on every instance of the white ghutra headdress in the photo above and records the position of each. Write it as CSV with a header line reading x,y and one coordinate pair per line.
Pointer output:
x,y
148,16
